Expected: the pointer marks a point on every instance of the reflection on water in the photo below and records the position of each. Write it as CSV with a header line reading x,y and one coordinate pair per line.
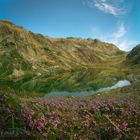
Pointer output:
x,y
119,84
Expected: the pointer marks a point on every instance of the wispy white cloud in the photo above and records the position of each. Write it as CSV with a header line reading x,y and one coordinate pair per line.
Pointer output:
x,y
120,32
126,45
120,40
117,37
115,8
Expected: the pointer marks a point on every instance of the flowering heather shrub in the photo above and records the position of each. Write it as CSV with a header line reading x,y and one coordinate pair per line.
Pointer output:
x,y
102,117
10,121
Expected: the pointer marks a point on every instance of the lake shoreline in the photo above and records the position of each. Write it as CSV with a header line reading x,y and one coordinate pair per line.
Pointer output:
x,y
119,84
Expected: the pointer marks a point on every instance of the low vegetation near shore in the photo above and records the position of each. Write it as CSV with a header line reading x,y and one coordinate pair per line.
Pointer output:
x,y
112,115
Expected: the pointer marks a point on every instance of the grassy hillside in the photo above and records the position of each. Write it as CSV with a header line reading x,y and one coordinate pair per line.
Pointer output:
x,y
36,63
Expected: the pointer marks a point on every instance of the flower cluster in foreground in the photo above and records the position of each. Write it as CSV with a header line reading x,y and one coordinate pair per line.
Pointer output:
x,y
104,117
101,117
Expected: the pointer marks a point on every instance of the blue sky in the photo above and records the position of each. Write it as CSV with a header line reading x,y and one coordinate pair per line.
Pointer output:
x,y
115,21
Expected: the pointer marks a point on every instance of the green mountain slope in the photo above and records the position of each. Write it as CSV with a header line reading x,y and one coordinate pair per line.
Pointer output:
x,y
134,56
37,63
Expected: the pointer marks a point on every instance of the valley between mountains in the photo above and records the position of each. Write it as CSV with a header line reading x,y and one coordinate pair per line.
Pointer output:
x,y
33,65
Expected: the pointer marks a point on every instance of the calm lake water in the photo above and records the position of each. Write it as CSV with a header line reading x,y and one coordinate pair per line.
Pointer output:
x,y
119,84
